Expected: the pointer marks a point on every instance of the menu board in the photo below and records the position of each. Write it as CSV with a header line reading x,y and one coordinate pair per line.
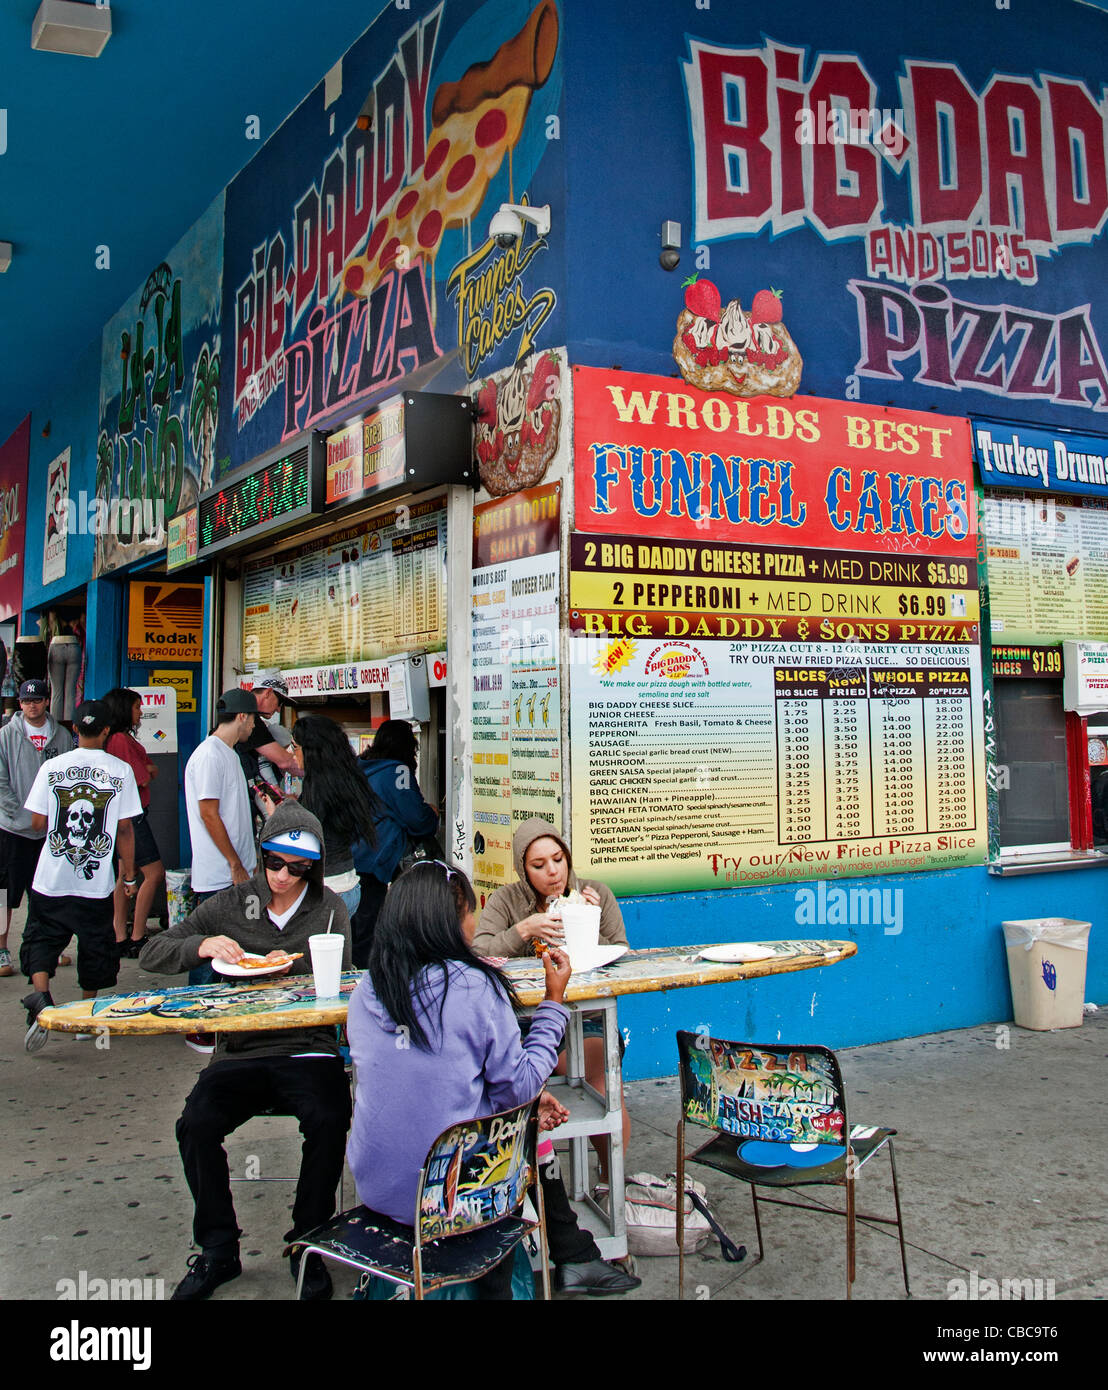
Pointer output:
x,y
1048,566
837,733
517,742
700,764
360,594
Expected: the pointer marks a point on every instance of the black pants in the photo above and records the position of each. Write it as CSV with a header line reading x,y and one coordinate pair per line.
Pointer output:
x,y
52,922
569,1244
365,919
226,1095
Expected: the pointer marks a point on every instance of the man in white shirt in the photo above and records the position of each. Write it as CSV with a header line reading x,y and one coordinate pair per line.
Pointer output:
x,y
218,803
84,799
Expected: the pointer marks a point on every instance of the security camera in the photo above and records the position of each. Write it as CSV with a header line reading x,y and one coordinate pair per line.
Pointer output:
x,y
506,227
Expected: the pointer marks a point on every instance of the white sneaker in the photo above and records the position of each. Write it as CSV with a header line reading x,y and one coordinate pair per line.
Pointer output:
x,y
6,967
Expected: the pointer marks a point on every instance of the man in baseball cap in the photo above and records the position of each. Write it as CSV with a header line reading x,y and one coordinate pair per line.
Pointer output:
x,y
27,740
266,753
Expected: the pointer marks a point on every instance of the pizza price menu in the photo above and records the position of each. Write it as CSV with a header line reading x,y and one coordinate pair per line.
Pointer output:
x,y
361,594
697,765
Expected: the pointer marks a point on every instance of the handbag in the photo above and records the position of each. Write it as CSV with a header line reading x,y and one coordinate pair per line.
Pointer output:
x,y
425,847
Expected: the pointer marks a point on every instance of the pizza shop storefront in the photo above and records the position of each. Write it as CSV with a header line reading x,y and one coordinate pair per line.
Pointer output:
x,y
334,564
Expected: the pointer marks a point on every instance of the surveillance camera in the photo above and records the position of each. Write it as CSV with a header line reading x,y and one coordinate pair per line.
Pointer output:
x,y
670,258
506,228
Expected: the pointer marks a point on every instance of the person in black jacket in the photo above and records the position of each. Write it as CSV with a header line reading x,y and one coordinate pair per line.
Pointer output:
x,y
402,815
287,1071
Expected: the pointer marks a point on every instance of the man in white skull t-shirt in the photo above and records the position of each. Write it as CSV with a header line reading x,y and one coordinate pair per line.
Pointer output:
x,y
84,800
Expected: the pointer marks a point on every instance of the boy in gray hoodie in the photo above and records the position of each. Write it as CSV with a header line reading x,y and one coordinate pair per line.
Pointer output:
x,y
295,1071
27,740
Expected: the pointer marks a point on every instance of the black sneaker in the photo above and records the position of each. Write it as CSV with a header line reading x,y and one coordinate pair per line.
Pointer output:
x,y
206,1273
317,1284
595,1277
36,1037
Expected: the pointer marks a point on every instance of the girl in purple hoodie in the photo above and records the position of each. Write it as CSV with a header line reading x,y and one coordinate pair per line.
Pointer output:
x,y
434,1035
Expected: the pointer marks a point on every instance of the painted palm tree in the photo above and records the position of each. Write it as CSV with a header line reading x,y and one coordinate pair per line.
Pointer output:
x,y
204,413
105,477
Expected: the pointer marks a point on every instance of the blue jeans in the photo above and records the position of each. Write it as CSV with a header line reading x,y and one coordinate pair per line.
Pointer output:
x,y
350,900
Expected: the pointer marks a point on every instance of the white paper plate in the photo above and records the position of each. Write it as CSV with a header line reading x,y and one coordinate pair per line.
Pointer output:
x,y
737,953
225,967
598,956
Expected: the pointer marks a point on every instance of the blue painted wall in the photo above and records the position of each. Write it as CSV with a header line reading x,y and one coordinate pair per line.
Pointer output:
x,y
630,151
71,410
947,968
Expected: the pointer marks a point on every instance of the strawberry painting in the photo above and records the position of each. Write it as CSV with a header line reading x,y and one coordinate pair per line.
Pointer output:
x,y
720,347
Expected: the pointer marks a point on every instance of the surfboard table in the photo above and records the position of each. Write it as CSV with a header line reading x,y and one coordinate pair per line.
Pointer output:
x,y
289,1001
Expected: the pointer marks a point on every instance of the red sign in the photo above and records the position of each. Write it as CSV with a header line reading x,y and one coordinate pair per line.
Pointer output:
x,y
656,458
510,528
13,518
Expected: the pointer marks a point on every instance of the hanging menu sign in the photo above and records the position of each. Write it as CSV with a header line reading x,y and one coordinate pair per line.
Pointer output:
x,y
517,757
359,595
1048,567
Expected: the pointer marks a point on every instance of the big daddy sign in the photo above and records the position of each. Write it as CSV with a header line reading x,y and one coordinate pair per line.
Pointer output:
x,y
998,177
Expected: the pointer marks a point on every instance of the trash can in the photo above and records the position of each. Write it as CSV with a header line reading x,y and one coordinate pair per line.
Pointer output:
x,y
1046,968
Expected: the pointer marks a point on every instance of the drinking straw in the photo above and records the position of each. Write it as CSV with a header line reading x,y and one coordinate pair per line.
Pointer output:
x,y
330,922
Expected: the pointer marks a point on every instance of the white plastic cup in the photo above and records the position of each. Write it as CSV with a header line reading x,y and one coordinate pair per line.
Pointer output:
x,y
326,949
581,923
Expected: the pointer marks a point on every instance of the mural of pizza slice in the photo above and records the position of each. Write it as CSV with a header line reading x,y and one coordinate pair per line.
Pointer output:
x,y
476,121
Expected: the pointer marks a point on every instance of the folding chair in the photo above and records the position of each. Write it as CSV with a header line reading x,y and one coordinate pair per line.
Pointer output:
x,y
468,1213
779,1113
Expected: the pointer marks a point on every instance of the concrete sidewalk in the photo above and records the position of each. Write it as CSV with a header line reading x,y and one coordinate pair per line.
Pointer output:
x,y
1001,1156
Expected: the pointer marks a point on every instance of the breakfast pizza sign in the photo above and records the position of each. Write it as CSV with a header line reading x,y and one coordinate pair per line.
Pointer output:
x,y
357,252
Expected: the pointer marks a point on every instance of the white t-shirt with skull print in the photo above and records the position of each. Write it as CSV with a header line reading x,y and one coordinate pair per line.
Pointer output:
x,y
83,795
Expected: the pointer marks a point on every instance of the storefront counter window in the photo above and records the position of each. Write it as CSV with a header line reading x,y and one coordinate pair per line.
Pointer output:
x,y
1032,766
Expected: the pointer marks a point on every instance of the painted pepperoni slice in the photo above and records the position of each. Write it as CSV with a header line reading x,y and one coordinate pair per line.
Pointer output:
x,y
377,238
430,229
491,128
407,203
436,158
388,255
355,278
460,173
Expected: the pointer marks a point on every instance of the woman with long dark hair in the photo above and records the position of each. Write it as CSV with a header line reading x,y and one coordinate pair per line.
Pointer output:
x,y
125,713
338,795
389,766
435,1039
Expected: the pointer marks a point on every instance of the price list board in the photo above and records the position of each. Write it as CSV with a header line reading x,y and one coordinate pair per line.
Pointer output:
x,y
364,593
703,764
516,603
868,754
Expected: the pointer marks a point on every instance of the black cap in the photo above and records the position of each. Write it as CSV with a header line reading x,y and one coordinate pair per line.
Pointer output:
x,y
34,690
91,718
237,702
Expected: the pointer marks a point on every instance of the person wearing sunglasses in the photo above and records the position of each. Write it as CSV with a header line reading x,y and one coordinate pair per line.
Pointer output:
x,y
295,1071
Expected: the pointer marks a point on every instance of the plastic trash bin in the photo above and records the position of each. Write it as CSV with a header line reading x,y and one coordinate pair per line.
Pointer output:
x,y
1046,968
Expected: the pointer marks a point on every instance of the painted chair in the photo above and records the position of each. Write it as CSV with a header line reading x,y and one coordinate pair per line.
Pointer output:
x,y
468,1212
779,1116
